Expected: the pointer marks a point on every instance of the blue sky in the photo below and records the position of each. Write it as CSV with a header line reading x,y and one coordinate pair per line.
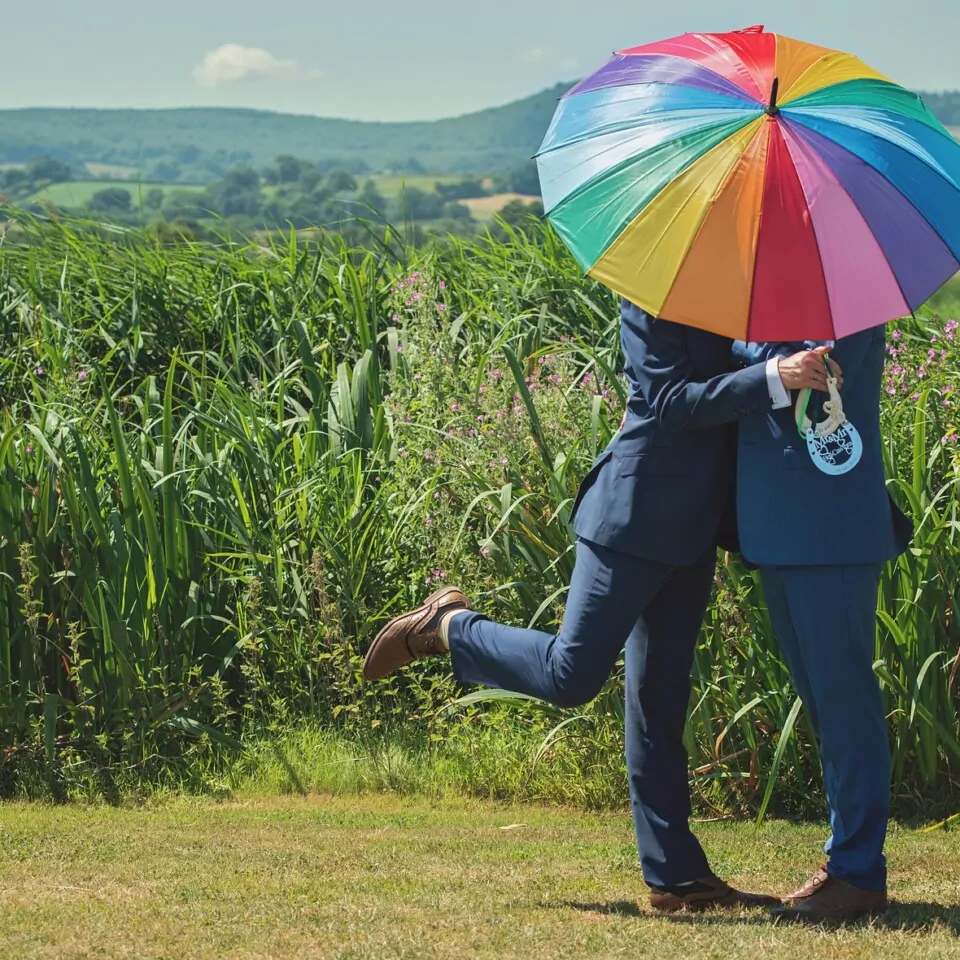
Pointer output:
x,y
409,59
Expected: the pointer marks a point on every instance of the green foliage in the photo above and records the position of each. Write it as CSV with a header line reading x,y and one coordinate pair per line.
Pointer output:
x,y
19,183
946,106
522,179
222,467
110,200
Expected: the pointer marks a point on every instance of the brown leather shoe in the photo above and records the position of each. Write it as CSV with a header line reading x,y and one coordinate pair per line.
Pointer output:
x,y
708,893
824,897
412,635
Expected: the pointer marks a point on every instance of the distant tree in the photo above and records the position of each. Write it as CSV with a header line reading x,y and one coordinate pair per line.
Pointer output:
x,y
237,193
456,211
48,170
309,178
339,181
110,200
518,215
370,198
462,190
270,176
188,155
153,199
416,204
525,179
413,165
165,172
185,205
288,168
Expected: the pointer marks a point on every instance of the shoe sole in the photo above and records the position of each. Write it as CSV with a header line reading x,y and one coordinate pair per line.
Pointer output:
x,y
715,903
378,639
792,916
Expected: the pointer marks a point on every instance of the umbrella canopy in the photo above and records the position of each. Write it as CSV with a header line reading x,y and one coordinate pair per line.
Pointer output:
x,y
755,186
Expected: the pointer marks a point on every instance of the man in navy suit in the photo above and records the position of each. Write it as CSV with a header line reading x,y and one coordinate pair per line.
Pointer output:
x,y
820,541
648,519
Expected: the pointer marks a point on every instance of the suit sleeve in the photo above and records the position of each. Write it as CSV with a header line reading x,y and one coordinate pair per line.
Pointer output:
x,y
849,352
657,353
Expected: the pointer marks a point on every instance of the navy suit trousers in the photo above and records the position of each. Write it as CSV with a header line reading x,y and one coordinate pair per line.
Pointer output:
x,y
825,619
652,610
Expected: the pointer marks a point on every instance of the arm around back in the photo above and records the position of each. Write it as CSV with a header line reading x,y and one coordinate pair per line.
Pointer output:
x,y
660,361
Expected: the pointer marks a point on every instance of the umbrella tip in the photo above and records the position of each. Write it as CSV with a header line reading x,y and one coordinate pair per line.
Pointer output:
x,y
772,109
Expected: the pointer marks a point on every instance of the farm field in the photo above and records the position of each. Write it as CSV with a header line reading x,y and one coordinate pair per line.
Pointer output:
x,y
391,186
76,193
380,876
484,208
112,170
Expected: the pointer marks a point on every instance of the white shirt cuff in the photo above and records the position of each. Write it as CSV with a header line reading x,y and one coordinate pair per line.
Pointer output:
x,y
779,398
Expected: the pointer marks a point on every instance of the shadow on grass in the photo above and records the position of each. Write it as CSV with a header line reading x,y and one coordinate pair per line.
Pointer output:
x,y
903,915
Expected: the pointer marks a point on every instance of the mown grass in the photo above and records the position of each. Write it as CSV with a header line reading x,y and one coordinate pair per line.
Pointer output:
x,y
390,878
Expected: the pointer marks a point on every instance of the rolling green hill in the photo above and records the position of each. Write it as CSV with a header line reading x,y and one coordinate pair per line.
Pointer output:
x,y
199,145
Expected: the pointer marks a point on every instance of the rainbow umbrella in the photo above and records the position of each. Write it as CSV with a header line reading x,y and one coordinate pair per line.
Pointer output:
x,y
755,186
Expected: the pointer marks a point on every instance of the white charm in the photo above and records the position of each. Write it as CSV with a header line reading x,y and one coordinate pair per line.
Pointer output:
x,y
834,444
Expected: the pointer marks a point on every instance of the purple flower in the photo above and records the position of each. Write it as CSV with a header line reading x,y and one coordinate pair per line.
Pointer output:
x,y
396,318
454,406
427,454
29,450
504,461
39,371
485,551
429,521
441,308
443,286
82,375
896,334
418,377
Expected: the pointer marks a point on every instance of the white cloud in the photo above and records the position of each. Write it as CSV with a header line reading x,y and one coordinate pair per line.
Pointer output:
x,y
232,62
536,53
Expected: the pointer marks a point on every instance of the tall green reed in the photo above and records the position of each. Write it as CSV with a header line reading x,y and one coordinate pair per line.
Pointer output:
x,y
222,467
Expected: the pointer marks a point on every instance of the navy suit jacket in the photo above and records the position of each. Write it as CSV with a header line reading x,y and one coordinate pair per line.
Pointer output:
x,y
792,514
663,488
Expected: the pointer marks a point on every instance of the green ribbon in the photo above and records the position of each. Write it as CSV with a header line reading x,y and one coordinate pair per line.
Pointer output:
x,y
803,401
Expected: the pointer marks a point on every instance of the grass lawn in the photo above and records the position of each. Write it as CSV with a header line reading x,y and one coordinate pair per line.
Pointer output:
x,y
378,876
76,193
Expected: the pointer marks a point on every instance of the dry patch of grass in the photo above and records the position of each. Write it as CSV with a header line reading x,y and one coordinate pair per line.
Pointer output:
x,y
483,208
384,877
